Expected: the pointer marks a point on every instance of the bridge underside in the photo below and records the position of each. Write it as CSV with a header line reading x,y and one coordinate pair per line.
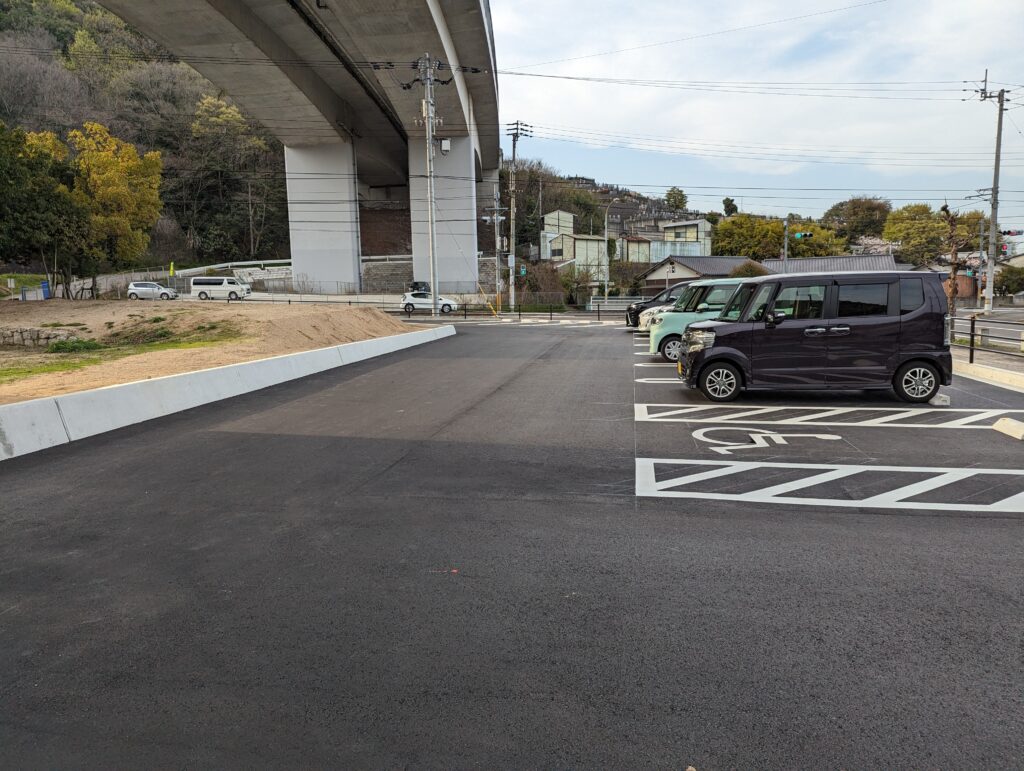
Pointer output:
x,y
350,130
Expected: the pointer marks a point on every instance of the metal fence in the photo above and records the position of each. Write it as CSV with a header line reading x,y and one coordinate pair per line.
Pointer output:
x,y
992,334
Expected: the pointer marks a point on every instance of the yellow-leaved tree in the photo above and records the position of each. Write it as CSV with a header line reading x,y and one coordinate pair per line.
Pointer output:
x,y
121,191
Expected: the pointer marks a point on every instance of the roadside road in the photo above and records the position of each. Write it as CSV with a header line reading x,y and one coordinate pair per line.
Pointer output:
x,y
441,558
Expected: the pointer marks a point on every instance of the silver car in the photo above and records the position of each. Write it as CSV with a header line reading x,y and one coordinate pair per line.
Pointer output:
x,y
150,290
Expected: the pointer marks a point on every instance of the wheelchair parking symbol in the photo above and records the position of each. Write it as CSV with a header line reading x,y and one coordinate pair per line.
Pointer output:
x,y
751,438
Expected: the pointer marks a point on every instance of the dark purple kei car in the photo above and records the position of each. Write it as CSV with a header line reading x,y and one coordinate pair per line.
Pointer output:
x,y
841,331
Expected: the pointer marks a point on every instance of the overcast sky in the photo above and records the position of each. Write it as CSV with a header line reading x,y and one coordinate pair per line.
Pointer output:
x,y
713,143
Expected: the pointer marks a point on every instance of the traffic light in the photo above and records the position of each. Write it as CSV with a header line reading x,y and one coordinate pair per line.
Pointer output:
x,y
1004,248
1011,232
522,270
800,236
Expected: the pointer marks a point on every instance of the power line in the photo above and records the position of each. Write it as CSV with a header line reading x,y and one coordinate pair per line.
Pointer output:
x,y
703,35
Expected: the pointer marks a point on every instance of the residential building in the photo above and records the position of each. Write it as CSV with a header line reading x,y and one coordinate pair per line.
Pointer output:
x,y
674,269
834,264
589,253
555,223
633,249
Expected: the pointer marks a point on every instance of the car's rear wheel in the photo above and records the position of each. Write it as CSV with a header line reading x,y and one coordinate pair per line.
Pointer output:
x,y
446,308
233,296
164,296
409,307
132,296
204,296
720,382
917,381
671,348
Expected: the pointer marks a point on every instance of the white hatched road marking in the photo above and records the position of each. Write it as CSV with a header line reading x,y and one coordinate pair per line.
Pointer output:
x,y
877,417
648,486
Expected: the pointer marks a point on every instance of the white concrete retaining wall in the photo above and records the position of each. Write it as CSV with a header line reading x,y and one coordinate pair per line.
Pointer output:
x,y
35,425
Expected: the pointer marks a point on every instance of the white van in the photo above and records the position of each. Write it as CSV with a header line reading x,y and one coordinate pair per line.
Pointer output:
x,y
220,288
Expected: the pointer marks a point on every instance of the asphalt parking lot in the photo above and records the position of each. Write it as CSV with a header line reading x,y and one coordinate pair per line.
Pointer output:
x,y
521,546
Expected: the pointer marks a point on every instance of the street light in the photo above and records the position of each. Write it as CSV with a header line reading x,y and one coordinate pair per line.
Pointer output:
x,y
607,257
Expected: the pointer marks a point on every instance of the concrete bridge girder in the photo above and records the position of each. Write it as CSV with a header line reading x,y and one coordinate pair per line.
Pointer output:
x,y
300,69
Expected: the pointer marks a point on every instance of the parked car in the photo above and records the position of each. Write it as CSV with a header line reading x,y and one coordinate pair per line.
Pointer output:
x,y
702,300
665,297
825,331
412,301
149,290
648,315
220,288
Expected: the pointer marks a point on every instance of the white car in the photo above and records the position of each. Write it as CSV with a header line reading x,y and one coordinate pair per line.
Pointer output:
x,y
424,301
150,290
647,315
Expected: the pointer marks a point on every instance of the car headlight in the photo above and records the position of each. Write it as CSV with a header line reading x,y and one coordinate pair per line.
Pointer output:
x,y
699,340
657,320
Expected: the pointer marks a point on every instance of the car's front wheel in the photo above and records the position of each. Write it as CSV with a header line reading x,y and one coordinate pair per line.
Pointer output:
x,y
671,348
917,381
720,382
164,296
233,296
446,308
409,308
132,296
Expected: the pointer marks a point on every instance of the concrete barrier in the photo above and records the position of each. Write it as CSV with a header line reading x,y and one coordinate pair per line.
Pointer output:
x,y
30,426
27,427
993,375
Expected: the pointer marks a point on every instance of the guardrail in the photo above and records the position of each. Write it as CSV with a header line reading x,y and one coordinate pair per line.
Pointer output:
x,y
464,310
989,334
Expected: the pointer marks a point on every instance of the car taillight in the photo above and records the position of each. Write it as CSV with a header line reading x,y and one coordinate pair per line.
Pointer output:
x,y
947,330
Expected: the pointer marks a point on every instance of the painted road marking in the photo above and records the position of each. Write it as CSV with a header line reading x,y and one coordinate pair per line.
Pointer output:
x,y
682,484
869,417
756,438
639,364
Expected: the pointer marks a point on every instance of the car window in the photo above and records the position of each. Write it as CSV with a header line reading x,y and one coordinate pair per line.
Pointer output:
x,y
911,294
688,298
863,300
760,304
420,295
735,306
718,296
801,302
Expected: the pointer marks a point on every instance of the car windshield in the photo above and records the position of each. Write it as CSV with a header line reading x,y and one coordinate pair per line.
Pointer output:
x,y
735,306
687,298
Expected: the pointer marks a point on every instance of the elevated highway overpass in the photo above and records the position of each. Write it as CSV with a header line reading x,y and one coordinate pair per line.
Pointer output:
x,y
315,73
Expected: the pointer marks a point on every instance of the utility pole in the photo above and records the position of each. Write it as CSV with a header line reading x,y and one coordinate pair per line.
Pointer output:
x,y
515,131
785,245
426,66
982,258
990,268
496,210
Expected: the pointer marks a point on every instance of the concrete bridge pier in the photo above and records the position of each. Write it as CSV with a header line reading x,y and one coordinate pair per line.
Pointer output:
x,y
455,180
323,217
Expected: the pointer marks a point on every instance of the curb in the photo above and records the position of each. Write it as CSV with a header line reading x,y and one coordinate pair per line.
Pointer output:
x,y
27,427
993,375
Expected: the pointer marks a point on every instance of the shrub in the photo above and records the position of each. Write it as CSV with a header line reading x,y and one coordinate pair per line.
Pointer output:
x,y
73,346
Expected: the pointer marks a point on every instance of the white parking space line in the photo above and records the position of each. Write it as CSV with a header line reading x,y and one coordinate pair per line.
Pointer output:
x,y
649,486
871,417
662,364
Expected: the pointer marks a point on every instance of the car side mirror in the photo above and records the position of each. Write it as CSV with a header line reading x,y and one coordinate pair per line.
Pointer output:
x,y
703,308
776,317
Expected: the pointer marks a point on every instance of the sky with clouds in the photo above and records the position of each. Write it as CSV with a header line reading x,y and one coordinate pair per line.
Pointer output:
x,y
770,106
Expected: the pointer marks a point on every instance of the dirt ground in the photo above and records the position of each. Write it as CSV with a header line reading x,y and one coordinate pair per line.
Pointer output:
x,y
217,333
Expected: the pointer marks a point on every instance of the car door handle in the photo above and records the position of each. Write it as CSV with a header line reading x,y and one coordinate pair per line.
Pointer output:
x,y
814,331
843,330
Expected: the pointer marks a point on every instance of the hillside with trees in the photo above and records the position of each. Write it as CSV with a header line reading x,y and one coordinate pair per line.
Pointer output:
x,y
78,76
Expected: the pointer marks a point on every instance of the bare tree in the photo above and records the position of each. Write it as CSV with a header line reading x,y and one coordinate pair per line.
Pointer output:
x,y
954,241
